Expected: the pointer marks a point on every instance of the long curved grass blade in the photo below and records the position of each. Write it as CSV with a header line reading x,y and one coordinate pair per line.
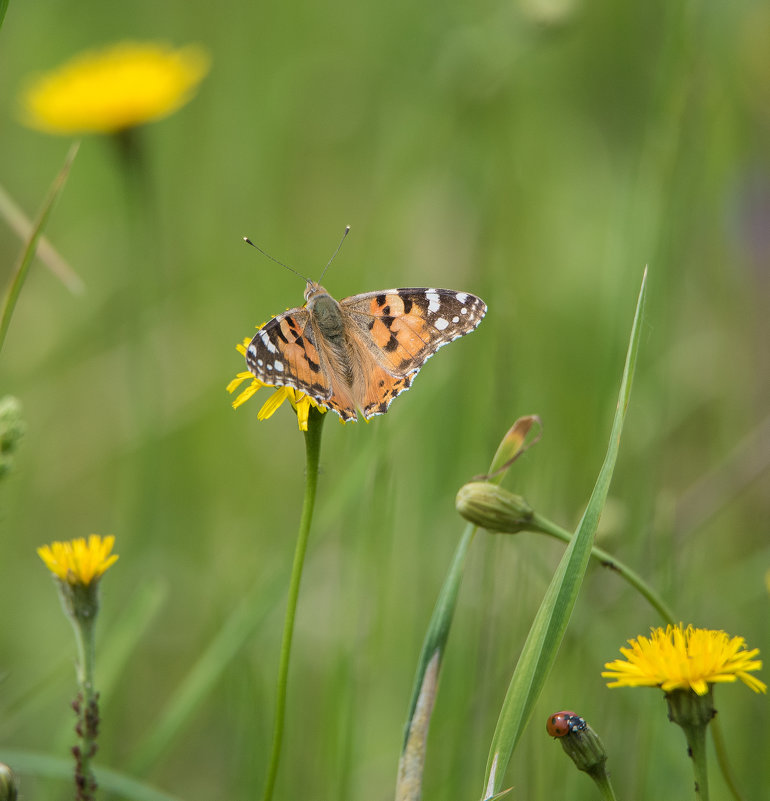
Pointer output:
x,y
412,759
550,623
22,266
411,762
46,252
110,781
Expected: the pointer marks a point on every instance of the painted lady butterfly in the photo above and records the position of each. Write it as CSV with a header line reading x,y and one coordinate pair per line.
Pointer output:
x,y
360,352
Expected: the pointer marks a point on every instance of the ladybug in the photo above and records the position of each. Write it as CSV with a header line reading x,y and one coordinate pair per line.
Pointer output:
x,y
563,723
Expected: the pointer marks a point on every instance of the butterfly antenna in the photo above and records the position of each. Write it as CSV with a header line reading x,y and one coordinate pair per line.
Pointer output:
x,y
272,258
344,234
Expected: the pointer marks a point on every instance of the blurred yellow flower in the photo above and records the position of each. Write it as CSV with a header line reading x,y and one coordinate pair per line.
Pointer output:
x,y
78,561
118,87
677,658
300,402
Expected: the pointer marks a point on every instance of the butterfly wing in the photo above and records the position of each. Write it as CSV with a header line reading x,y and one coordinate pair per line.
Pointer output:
x,y
287,352
402,329
283,353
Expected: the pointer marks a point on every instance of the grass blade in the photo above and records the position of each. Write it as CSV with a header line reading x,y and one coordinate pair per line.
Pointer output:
x,y
412,761
552,617
122,786
46,252
22,266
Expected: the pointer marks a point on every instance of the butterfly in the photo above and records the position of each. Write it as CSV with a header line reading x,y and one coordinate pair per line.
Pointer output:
x,y
361,352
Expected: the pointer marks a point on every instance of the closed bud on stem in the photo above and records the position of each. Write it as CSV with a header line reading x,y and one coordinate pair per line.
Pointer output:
x,y
585,749
489,506
11,431
8,786
583,746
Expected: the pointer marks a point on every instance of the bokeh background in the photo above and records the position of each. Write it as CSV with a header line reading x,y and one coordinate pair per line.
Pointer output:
x,y
538,153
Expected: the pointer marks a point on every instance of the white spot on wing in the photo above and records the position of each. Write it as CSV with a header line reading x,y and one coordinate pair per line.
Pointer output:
x,y
441,323
463,310
455,319
433,301
462,296
278,366
252,351
267,343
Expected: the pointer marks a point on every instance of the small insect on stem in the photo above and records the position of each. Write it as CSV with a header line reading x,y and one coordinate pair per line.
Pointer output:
x,y
564,723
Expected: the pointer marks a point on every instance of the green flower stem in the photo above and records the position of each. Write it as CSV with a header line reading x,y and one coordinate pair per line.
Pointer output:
x,y
312,454
545,526
84,639
88,715
82,604
693,713
696,740
602,782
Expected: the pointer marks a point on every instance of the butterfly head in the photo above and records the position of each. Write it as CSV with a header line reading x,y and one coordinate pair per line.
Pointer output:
x,y
312,291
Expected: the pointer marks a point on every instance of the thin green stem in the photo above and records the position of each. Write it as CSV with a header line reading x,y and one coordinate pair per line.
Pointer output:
x,y
312,454
545,526
696,740
86,705
602,780
84,640
693,713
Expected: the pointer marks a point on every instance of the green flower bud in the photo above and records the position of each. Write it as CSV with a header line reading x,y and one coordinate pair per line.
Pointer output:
x,y
583,746
487,505
585,749
11,431
8,785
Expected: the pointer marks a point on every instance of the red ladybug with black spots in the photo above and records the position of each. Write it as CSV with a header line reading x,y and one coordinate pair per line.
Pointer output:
x,y
563,723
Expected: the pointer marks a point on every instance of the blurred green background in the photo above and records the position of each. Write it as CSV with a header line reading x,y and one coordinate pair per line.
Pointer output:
x,y
538,153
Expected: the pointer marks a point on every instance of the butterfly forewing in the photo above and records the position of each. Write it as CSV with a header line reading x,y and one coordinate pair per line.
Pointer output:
x,y
284,353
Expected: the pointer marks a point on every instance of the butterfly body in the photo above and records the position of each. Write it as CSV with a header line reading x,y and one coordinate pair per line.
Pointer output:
x,y
361,352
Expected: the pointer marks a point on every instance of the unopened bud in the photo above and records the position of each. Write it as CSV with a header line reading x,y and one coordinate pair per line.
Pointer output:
x,y
8,785
487,505
11,431
580,742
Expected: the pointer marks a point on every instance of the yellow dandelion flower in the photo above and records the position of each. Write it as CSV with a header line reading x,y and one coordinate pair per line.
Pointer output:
x,y
677,658
299,401
78,561
110,90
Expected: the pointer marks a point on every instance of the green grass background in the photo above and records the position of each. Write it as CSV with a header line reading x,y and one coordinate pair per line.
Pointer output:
x,y
538,153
